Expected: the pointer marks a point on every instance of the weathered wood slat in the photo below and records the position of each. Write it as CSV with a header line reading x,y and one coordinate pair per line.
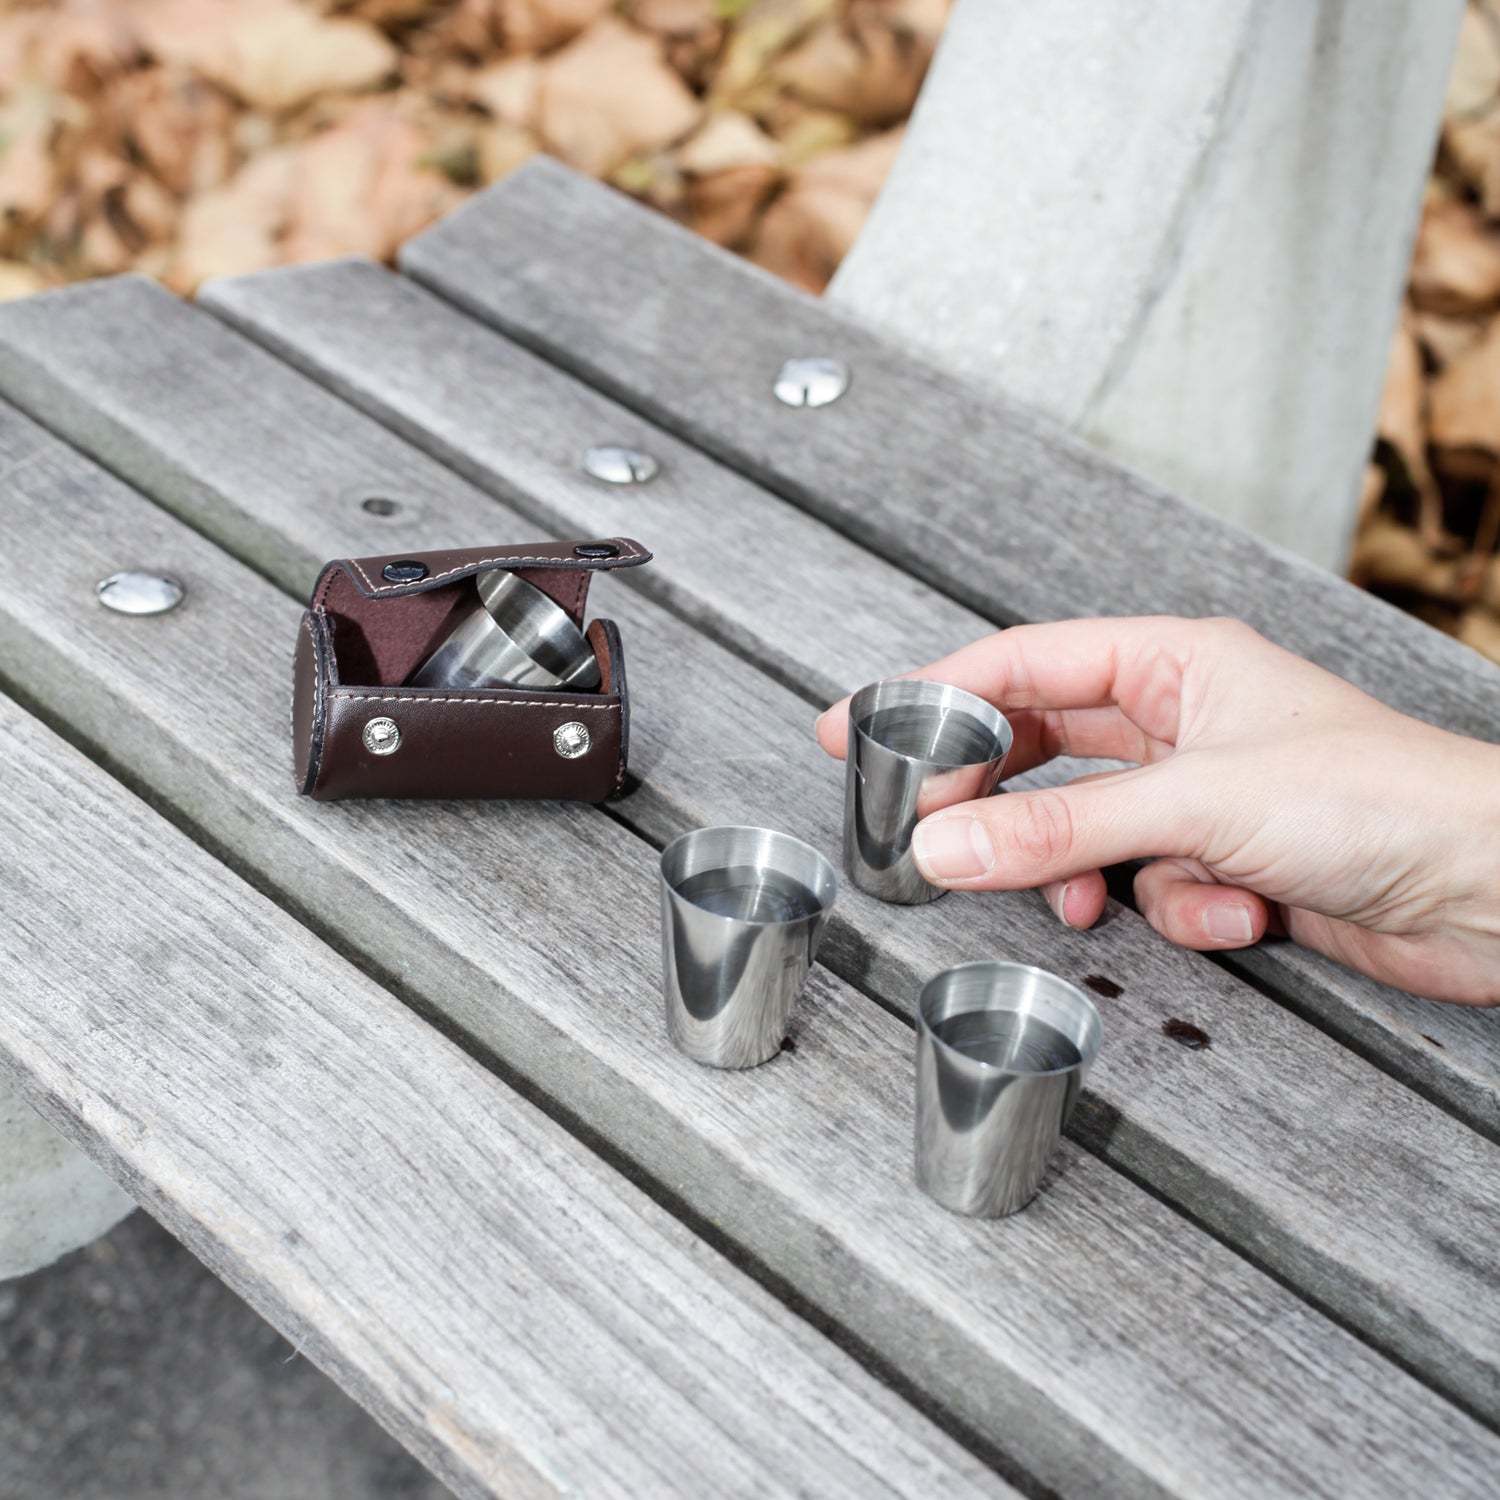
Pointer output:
x,y
524,1319
1238,1154
993,506
1098,1334
426,372
434,376
996,507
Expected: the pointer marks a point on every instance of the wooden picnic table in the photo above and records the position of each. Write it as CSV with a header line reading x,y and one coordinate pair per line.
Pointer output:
x,y
397,1071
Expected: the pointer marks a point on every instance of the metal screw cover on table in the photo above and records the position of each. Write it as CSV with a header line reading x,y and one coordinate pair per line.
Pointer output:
x,y
811,380
619,465
139,593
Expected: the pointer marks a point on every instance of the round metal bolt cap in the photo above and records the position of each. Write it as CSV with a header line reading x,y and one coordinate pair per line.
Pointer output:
x,y
382,737
596,549
136,593
404,572
570,740
617,465
811,380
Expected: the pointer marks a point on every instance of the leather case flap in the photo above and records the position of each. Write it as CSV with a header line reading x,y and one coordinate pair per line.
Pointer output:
x,y
381,644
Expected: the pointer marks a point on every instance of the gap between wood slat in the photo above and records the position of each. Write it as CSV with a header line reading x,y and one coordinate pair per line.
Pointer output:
x,y
297,313
1167,1271
262,375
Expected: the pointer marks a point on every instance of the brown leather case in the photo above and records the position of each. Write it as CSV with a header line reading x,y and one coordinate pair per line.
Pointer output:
x,y
373,620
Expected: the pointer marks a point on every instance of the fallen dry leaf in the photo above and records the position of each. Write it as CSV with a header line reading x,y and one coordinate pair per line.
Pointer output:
x,y
808,230
1446,339
274,54
726,140
536,25
1473,147
19,280
502,148
724,206
862,67
236,228
510,91
675,18
610,95
27,177
180,126
1465,398
362,188
1402,422
804,133
1456,267
1474,83
763,33
1394,556
923,18
1480,628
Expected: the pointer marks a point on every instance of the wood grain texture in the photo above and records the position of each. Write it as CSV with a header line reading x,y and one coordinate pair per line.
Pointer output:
x,y
1246,1140
997,508
525,1320
837,618
1099,1334
1258,1155
434,375
991,505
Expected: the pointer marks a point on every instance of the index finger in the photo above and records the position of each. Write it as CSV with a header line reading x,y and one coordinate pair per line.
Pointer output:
x,y
1135,664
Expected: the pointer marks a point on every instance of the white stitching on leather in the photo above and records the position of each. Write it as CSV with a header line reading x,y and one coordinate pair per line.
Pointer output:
x,y
510,562
498,702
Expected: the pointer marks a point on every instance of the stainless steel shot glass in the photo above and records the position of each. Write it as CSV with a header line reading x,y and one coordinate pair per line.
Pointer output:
x,y
1002,1053
515,636
742,913
914,747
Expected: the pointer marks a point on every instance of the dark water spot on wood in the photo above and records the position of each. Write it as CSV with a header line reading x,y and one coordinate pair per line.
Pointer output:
x,y
1433,1040
1103,986
788,1045
1185,1034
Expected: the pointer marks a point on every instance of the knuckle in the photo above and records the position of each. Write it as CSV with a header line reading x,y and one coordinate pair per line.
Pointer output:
x,y
1041,831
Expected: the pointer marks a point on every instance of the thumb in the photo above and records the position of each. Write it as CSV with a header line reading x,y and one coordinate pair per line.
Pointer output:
x,y
1025,839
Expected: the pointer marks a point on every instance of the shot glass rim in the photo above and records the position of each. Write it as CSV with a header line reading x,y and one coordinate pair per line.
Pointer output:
x,y
949,1050
827,868
983,710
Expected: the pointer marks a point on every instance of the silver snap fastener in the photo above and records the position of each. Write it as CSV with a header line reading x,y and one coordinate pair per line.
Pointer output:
x,y
570,740
404,572
134,593
596,549
616,465
382,737
811,380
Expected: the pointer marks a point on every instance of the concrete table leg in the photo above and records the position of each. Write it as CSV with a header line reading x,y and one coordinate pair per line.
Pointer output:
x,y
1179,228
52,1198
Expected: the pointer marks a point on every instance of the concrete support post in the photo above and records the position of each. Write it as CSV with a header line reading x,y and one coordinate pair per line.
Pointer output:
x,y
52,1197
1181,229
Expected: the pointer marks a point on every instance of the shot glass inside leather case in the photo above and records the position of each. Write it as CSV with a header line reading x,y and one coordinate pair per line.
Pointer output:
x,y
357,732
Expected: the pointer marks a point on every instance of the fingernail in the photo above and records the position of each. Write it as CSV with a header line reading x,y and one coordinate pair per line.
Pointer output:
x,y
1227,924
1058,901
952,848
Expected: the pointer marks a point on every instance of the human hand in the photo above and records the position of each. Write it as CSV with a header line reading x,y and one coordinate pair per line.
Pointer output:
x,y
1268,793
